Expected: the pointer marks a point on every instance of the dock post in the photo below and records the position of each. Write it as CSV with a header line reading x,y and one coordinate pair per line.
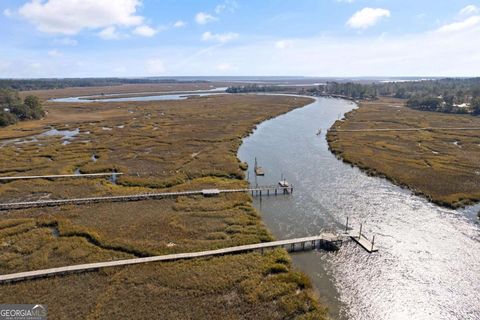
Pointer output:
x,y
346,226
252,193
373,241
291,190
292,247
313,244
275,191
260,194
303,246
360,232
268,192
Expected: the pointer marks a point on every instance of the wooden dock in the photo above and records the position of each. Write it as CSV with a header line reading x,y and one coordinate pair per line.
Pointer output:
x,y
59,176
360,238
363,242
307,243
407,129
260,191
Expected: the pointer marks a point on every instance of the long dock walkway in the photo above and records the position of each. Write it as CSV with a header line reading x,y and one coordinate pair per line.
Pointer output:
x,y
144,196
59,176
407,129
306,243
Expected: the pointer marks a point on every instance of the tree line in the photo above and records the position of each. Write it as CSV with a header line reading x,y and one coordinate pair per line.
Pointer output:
x,y
43,84
13,109
450,95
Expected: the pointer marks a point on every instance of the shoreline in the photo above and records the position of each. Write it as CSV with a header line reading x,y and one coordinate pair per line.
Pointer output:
x,y
256,279
339,151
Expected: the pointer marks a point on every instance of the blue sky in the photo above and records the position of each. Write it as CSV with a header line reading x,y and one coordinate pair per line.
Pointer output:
x,y
72,38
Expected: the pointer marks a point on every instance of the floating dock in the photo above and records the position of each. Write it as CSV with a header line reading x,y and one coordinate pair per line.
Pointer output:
x,y
360,239
363,242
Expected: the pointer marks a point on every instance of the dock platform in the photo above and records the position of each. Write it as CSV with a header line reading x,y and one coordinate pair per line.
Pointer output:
x,y
363,242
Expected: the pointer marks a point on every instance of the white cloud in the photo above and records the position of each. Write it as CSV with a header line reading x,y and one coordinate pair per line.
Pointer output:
x,y
55,53
227,6
110,33
224,67
461,25
66,42
219,37
204,18
145,31
7,13
72,16
155,66
179,24
469,10
367,17
283,44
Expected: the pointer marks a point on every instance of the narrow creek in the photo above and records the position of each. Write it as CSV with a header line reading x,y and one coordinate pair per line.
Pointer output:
x,y
428,264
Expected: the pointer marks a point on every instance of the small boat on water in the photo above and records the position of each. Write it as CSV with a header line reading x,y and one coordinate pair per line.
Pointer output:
x,y
319,132
283,183
258,170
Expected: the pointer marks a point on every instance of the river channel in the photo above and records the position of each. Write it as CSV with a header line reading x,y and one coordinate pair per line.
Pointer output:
x,y
428,263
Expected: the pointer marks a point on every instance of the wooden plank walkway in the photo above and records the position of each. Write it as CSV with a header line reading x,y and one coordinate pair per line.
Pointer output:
x,y
405,129
137,197
306,243
58,176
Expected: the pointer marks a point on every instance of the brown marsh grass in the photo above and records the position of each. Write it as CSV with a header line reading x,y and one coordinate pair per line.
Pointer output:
x,y
442,165
169,145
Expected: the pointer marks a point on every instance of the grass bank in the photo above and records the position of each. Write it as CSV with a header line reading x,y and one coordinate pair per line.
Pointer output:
x,y
160,146
440,165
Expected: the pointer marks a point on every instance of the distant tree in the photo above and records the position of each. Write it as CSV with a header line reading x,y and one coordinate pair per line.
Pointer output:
x,y
32,102
476,92
427,103
401,93
7,118
12,108
475,104
9,97
21,111
449,99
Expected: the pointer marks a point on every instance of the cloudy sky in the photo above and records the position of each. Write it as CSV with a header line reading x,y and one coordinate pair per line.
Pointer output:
x,y
83,38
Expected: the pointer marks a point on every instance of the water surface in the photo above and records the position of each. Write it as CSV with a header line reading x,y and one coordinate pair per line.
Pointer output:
x,y
162,96
428,264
